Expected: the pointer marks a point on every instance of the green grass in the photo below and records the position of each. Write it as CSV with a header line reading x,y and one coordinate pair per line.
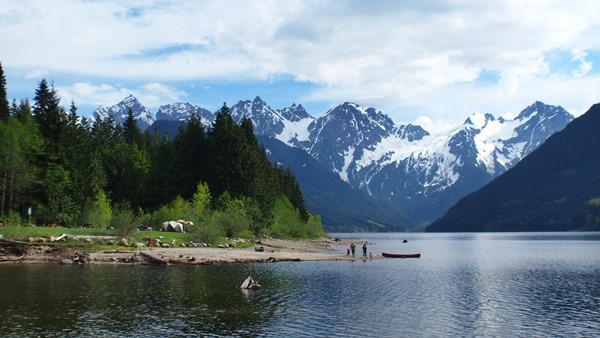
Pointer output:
x,y
23,233
20,232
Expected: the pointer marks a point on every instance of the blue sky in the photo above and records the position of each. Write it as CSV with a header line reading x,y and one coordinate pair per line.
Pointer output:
x,y
427,62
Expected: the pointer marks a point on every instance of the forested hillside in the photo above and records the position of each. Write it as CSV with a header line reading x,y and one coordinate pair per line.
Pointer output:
x,y
71,171
555,188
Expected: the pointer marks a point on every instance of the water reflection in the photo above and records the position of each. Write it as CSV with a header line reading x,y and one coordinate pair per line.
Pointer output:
x,y
463,285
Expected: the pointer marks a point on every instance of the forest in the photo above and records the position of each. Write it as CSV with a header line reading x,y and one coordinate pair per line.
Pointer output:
x,y
60,168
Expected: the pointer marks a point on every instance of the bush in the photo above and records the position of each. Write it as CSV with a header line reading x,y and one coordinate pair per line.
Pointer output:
x,y
99,213
177,209
123,220
12,218
287,222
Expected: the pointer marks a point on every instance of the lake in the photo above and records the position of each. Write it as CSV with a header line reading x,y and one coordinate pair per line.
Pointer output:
x,y
466,284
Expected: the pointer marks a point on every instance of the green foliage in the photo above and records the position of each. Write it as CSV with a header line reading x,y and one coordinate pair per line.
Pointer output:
x,y
209,232
20,144
123,220
190,148
71,171
175,210
314,227
201,199
12,218
231,217
4,105
99,213
287,222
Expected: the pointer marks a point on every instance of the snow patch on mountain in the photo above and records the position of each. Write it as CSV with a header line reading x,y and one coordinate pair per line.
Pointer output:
x,y
295,131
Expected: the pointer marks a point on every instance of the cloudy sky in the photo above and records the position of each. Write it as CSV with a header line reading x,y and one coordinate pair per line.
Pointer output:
x,y
429,62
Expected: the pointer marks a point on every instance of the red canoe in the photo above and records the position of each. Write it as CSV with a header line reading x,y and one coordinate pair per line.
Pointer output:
x,y
392,255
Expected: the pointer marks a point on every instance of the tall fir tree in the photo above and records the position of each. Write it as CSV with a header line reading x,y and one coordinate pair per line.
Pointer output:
x,y
191,149
48,113
161,185
291,189
257,181
131,130
226,144
79,160
20,144
55,180
4,104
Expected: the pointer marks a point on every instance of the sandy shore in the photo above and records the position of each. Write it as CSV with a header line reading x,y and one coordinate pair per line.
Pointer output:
x,y
274,251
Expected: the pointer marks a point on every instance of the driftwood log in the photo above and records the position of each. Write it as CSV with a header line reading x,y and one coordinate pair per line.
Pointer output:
x,y
250,284
154,259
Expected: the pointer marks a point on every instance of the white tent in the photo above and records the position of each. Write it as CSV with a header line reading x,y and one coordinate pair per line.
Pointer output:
x,y
172,226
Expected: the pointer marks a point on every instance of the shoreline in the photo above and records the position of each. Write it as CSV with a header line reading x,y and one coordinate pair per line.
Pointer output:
x,y
275,250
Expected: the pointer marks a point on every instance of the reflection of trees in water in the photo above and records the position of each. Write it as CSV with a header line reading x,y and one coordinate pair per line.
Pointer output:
x,y
117,300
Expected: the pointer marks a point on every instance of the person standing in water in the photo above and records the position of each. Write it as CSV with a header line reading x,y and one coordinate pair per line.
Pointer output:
x,y
353,248
365,250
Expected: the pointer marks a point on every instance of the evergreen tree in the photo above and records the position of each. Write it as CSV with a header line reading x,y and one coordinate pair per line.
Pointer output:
x,y
79,160
55,178
131,130
191,149
161,184
226,144
291,189
49,115
19,143
4,104
257,181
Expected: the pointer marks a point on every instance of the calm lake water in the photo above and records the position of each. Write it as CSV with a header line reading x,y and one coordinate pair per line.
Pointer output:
x,y
468,285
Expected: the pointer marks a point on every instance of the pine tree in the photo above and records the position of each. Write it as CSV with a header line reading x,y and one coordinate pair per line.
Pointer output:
x,y
4,104
291,189
191,149
225,155
55,179
161,185
20,143
131,130
48,113
80,162
257,181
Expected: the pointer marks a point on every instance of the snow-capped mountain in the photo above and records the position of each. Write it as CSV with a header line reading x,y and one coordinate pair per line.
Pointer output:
x,y
120,110
181,111
422,173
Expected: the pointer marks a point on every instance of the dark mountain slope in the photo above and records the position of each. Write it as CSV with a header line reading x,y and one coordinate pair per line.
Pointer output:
x,y
161,127
341,207
555,188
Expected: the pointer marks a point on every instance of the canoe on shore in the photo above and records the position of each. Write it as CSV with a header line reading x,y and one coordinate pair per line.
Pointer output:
x,y
393,255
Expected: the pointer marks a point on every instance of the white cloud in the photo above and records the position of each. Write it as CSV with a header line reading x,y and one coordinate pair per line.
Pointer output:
x,y
36,73
584,66
392,55
152,95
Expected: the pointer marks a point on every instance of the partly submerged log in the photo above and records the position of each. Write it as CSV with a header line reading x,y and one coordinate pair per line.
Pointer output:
x,y
154,259
250,284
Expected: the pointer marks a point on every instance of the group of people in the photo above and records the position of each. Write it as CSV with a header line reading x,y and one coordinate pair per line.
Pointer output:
x,y
352,250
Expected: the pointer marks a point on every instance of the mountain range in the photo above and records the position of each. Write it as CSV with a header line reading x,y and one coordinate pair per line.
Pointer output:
x,y
555,188
408,175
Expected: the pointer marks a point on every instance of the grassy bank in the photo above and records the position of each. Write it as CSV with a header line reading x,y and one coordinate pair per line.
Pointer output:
x,y
24,233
